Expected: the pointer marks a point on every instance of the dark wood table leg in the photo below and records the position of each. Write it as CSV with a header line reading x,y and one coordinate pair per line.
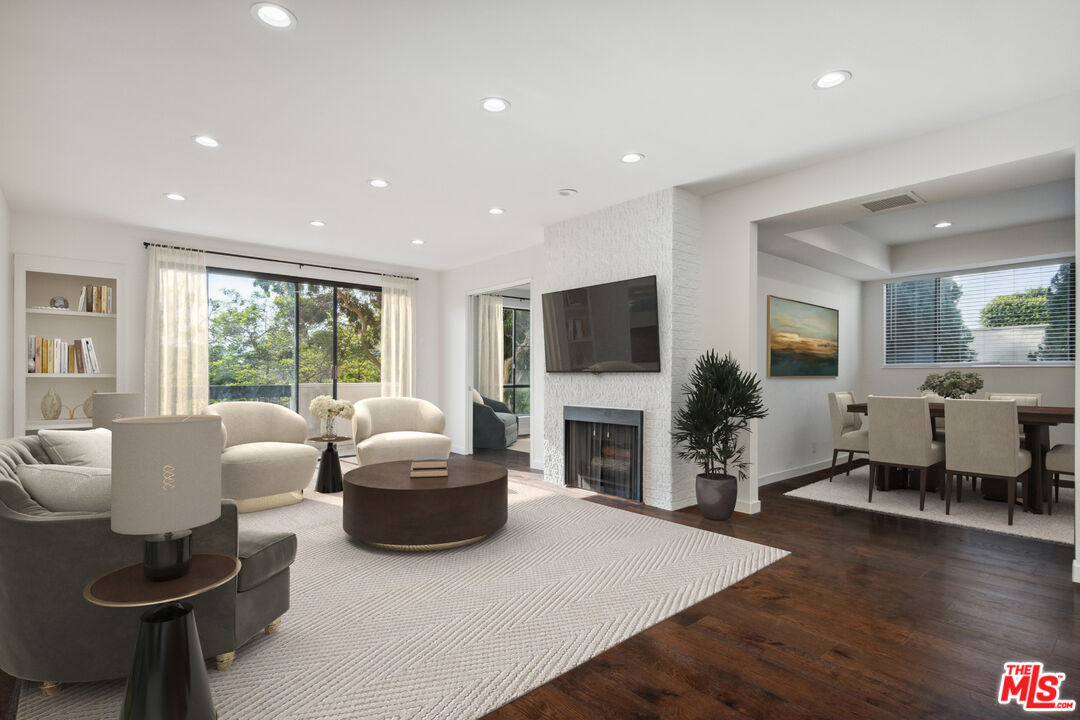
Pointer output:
x,y
1037,441
329,480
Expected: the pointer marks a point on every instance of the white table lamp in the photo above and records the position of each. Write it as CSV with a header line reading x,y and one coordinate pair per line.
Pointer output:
x,y
166,479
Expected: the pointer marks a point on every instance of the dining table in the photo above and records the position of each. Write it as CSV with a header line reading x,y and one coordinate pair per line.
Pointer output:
x,y
1037,421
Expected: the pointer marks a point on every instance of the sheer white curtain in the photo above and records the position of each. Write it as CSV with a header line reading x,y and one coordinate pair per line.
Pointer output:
x,y
398,337
177,376
489,346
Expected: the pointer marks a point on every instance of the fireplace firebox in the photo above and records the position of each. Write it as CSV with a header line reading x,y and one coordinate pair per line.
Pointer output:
x,y
603,450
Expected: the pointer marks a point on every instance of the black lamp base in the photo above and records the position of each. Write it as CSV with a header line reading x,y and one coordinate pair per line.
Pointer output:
x,y
168,679
167,557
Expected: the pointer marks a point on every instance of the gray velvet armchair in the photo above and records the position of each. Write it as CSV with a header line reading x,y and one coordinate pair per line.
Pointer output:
x,y
51,634
494,426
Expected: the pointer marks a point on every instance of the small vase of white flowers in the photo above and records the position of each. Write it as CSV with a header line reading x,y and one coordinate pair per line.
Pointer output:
x,y
328,409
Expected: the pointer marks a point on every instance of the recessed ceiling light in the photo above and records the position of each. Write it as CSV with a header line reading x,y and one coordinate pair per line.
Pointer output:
x,y
378,183
273,15
174,196
942,225
832,79
495,104
632,157
567,192
417,241
496,211
206,141
317,223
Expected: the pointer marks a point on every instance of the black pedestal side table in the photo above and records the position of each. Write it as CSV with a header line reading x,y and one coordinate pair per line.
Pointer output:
x,y
329,480
168,678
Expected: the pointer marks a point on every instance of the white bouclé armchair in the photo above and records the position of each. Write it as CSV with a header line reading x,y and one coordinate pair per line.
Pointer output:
x,y
386,429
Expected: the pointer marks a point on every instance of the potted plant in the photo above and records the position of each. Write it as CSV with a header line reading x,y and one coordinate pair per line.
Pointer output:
x,y
720,402
953,384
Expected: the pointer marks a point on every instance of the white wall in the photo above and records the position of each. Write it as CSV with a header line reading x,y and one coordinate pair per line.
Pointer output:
x,y
7,283
797,431
658,234
524,266
730,230
1057,384
73,237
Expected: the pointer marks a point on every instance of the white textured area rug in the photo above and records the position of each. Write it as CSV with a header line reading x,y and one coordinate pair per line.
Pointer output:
x,y
974,512
452,634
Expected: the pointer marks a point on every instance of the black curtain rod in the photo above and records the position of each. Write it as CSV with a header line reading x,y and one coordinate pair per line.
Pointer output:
x,y
284,262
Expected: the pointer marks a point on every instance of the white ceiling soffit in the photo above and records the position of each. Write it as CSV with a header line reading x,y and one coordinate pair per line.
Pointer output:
x,y
101,100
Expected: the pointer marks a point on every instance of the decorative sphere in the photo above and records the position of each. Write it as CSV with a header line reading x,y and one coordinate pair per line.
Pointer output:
x,y
58,302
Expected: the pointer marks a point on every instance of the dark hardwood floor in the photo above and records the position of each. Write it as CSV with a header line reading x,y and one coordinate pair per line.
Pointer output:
x,y
510,458
871,616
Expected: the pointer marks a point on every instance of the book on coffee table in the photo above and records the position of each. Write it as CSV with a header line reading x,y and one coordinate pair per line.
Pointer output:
x,y
429,466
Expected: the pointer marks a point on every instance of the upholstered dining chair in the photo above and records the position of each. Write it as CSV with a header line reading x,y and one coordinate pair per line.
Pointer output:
x,y
900,436
1027,399
984,440
1060,460
848,434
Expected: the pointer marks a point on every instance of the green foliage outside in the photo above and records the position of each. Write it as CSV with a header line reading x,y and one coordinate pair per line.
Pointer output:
x,y
1022,308
516,359
1059,338
929,311
253,337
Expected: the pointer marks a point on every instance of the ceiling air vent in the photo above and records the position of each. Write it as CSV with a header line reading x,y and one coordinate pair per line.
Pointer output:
x,y
894,202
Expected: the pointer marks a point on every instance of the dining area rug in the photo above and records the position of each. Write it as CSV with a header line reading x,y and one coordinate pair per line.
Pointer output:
x,y
457,633
974,511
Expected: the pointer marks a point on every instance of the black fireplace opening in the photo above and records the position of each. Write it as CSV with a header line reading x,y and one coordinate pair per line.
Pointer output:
x,y
603,450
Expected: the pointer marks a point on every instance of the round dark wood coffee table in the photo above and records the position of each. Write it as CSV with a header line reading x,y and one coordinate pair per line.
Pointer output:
x,y
383,506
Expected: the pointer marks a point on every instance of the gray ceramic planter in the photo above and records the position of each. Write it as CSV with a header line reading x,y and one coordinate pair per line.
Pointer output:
x,y
716,496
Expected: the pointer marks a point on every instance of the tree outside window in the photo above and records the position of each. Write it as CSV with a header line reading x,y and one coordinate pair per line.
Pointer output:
x,y
516,360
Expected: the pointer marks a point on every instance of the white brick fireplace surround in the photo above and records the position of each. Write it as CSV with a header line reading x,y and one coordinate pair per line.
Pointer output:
x,y
659,234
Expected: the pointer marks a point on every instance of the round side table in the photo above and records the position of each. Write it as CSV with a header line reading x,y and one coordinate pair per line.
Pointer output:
x,y
329,480
168,678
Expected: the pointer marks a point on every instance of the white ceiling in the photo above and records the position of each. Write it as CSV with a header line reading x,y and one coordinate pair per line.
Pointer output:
x,y
98,102
1009,208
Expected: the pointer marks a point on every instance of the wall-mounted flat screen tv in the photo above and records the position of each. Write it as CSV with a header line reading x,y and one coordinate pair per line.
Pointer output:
x,y
612,327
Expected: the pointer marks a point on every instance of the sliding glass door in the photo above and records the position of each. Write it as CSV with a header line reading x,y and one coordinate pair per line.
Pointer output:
x,y
286,340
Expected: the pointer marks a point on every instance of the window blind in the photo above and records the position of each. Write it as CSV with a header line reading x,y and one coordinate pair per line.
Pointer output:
x,y
1005,316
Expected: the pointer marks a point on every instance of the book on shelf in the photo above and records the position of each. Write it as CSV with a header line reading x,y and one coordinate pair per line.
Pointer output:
x,y
97,299
53,355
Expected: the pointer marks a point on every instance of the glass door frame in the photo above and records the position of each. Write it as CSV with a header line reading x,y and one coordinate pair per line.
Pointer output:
x,y
296,281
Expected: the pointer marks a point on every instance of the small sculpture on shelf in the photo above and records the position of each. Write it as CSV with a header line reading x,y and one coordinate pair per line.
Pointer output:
x,y
58,301
50,405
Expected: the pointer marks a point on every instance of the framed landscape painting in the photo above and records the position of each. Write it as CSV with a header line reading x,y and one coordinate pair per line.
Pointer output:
x,y
803,339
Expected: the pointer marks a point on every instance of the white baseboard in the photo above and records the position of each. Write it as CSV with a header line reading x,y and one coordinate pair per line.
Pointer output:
x,y
748,508
1076,571
794,472
460,450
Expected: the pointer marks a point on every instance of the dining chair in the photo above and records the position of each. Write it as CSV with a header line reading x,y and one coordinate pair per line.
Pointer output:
x,y
848,434
1026,399
984,440
1060,460
900,436
937,423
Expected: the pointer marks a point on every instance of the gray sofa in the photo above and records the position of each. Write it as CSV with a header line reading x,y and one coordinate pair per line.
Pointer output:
x,y
494,426
51,634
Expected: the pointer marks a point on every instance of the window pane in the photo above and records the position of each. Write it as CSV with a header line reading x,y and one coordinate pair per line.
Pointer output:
x,y
359,358
521,328
508,397
1010,316
521,367
521,401
252,337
